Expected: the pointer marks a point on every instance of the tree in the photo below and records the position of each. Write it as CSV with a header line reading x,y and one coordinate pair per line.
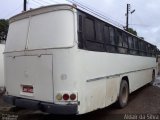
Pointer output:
x,y
131,30
4,24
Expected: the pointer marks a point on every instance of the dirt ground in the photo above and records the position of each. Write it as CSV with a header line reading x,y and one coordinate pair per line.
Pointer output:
x,y
143,104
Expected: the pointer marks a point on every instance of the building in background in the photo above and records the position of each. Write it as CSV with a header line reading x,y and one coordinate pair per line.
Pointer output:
x,y
158,64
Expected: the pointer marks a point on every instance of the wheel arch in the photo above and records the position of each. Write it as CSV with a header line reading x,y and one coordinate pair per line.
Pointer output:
x,y
153,71
118,103
127,80
153,75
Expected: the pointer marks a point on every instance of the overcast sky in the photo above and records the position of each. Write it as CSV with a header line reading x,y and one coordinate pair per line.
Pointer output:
x,y
145,20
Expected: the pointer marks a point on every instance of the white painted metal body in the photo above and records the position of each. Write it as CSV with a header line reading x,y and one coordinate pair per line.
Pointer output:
x,y
51,62
1,66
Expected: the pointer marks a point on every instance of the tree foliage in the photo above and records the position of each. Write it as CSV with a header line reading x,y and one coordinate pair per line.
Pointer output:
x,y
131,30
4,24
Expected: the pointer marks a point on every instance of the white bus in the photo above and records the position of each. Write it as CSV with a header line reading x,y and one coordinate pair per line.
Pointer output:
x,y
2,88
62,60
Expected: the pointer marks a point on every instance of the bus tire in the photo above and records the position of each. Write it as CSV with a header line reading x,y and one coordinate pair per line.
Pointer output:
x,y
123,94
153,77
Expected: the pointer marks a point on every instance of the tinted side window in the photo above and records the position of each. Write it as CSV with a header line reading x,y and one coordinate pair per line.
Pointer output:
x,y
80,38
149,50
125,41
96,35
80,22
119,38
143,48
140,48
106,37
89,29
112,44
99,32
111,34
93,39
153,51
136,44
130,41
106,34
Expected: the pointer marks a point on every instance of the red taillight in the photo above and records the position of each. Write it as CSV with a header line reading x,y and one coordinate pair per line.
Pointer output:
x,y
72,96
65,97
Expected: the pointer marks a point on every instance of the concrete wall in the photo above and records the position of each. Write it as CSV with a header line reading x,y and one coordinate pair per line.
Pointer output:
x,y
1,65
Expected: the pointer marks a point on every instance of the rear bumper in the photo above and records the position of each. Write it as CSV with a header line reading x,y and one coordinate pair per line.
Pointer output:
x,y
70,109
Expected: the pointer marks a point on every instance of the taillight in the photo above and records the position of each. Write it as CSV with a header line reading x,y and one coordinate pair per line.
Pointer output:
x,y
65,97
59,96
72,97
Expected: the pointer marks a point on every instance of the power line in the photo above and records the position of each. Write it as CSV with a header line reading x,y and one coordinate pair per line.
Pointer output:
x,y
55,1
96,12
13,11
38,2
45,2
139,25
139,19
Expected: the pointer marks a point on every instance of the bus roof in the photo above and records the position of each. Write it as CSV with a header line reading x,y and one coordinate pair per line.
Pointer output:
x,y
41,10
50,8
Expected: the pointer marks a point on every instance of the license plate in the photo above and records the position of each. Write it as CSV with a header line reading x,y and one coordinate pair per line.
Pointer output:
x,y
27,89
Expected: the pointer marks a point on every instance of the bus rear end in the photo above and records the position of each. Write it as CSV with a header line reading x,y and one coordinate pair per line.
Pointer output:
x,y
37,47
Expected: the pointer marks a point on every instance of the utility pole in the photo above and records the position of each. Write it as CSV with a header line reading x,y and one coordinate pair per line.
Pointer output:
x,y
127,16
25,5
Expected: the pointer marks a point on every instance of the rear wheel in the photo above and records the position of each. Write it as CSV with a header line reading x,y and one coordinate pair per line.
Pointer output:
x,y
123,94
153,77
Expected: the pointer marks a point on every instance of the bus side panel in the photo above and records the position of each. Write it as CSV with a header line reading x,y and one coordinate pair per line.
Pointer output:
x,y
112,89
139,79
92,96
94,66
99,94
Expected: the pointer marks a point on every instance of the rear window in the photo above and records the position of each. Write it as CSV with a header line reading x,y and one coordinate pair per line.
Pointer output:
x,y
17,35
48,30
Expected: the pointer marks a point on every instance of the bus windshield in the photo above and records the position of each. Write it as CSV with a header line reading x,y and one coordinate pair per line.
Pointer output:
x,y
47,30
